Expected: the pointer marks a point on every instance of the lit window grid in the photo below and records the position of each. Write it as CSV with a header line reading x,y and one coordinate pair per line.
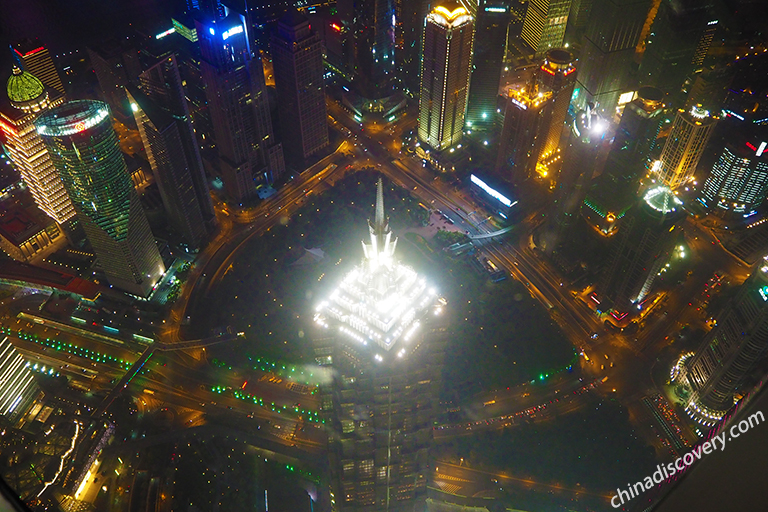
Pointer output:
x,y
16,380
31,159
544,24
445,80
683,149
95,174
727,355
736,183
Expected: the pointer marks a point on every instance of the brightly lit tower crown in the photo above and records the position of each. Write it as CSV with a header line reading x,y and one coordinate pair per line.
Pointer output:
x,y
382,300
381,250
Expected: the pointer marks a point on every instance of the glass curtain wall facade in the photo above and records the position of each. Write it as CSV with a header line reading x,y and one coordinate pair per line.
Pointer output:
x,y
85,151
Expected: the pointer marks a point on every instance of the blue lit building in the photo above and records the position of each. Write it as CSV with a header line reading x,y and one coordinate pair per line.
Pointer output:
x,y
249,155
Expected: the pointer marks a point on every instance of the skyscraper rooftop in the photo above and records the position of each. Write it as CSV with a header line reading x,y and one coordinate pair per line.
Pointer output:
x,y
380,302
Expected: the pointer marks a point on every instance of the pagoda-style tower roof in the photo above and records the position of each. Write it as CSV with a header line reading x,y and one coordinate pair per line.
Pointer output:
x,y
380,301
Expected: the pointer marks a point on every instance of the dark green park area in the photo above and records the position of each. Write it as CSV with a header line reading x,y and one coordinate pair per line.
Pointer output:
x,y
501,335
594,448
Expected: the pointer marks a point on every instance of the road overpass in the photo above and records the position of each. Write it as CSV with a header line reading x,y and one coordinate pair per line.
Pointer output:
x,y
492,234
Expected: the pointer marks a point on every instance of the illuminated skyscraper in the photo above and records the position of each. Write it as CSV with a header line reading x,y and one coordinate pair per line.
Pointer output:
x,y
378,331
445,71
35,58
491,24
729,352
84,150
27,98
527,117
739,178
544,24
607,53
639,251
371,26
705,42
297,58
18,389
237,100
684,147
558,74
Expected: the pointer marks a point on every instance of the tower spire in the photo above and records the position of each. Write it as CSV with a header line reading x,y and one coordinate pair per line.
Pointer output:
x,y
380,220
382,247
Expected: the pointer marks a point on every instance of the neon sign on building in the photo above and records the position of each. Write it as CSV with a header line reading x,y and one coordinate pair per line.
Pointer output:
x,y
491,192
231,32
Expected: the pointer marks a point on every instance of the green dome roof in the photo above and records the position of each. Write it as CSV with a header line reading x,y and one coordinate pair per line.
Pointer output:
x,y
23,87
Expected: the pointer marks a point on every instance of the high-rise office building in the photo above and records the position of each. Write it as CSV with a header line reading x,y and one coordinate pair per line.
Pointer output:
x,y
249,155
577,21
491,24
648,235
544,24
116,64
527,117
84,150
705,42
710,87
162,85
161,137
716,372
672,44
409,30
445,70
614,192
27,98
579,165
739,179
380,332
607,53
18,389
36,59
686,142
639,127
297,59
371,25
558,74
